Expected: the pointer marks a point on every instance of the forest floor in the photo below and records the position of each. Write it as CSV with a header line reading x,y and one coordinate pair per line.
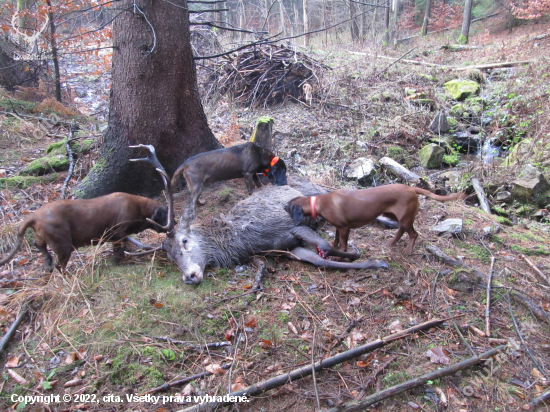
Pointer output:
x,y
100,330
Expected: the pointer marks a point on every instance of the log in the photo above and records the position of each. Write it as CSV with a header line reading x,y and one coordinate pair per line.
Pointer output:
x,y
7,337
302,372
460,47
483,202
399,170
357,406
518,297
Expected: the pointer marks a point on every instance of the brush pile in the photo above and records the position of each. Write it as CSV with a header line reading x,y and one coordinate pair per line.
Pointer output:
x,y
265,75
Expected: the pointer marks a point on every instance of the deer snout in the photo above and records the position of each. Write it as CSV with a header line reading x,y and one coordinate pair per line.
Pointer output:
x,y
193,276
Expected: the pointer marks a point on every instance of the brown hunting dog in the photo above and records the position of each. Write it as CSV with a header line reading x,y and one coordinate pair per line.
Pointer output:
x,y
65,225
351,209
245,160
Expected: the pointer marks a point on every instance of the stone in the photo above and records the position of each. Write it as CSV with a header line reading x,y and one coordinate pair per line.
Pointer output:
x,y
439,124
431,156
361,169
466,142
453,226
461,89
531,186
520,152
504,196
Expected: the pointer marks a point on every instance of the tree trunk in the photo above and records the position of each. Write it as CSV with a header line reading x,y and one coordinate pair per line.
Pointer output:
x,y
386,38
466,20
53,43
354,25
424,30
154,100
306,24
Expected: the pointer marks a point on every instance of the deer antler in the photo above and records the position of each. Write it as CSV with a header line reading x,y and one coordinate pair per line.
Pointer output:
x,y
152,158
28,39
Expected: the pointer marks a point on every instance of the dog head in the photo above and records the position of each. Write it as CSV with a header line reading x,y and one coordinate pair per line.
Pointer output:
x,y
277,172
160,216
294,208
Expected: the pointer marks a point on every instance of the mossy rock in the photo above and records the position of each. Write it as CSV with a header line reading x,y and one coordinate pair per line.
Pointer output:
x,y
461,89
77,147
427,77
458,110
452,122
474,105
431,156
519,152
444,142
45,165
23,182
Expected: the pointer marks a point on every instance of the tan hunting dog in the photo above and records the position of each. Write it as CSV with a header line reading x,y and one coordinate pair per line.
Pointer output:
x,y
352,209
65,225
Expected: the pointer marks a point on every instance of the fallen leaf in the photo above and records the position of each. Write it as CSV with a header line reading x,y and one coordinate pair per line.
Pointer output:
x,y
97,358
355,301
438,355
252,323
188,390
73,382
395,326
362,364
159,305
288,305
83,313
71,357
215,369
12,362
238,385
265,343
357,336
17,378
292,328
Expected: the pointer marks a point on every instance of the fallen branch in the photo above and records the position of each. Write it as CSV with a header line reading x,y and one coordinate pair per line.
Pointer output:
x,y
213,345
488,304
483,202
536,269
9,334
300,373
399,170
168,385
519,297
413,383
540,399
460,47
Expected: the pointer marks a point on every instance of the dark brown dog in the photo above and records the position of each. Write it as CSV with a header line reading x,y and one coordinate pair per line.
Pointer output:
x,y
245,160
67,224
351,209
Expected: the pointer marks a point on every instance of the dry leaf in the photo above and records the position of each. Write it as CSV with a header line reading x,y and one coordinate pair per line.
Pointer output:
x,y
355,301
97,358
17,378
83,313
438,355
73,382
288,305
395,326
238,385
292,328
71,357
265,343
12,362
188,390
252,323
357,336
363,364
159,305
215,369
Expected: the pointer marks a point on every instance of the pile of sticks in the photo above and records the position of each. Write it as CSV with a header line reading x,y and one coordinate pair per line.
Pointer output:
x,y
265,75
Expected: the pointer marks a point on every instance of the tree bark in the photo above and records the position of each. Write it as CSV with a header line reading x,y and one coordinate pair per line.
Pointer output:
x,y
386,38
53,43
424,30
354,26
466,20
306,23
154,100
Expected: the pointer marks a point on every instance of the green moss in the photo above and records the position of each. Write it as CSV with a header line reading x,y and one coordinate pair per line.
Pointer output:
x,y
451,159
538,250
462,39
499,211
45,165
23,182
19,105
265,119
396,153
461,89
77,147
504,221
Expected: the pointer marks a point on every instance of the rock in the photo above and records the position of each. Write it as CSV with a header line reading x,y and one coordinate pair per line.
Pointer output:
x,y
504,196
520,152
461,89
474,106
531,186
491,230
449,226
45,165
361,169
458,110
431,156
439,124
451,178
466,142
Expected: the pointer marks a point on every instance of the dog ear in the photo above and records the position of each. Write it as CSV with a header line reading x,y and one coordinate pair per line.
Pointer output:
x,y
297,213
277,173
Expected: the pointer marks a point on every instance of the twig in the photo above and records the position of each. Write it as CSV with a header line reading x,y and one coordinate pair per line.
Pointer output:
x,y
349,328
70,153
483,202
213,345
459,333
520,336
413,383
519,297
313,369
536,269
488,303
300,373
233,360
7,337
392,63
540,399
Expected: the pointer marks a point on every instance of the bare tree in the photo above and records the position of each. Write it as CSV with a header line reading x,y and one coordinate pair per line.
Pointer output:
x,y
154,99
386,38
306,23
354,25
466,20
427,12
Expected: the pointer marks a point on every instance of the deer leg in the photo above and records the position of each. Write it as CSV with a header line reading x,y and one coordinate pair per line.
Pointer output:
x,y
119,247
299,253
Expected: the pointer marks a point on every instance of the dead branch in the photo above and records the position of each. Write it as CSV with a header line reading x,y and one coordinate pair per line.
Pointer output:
x,y
519,297
213,345
540,399
460,47
300,373
488,303
399,170
313,369
536,269
364,403
168,385
392,63
70,153
7,337
483,202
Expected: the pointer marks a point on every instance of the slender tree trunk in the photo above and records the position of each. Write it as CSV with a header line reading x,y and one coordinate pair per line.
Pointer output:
x,y
386,40
427,12
282,18
154,99
466,20
306,23
353,25
53,44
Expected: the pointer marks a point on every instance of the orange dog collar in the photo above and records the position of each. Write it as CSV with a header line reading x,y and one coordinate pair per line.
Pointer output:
x,y
313,206
273,161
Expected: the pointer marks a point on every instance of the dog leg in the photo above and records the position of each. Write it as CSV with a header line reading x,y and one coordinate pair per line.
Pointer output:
x,y
413,235
299,253
48,261
257,180
397,236
310,237
343,241
249,182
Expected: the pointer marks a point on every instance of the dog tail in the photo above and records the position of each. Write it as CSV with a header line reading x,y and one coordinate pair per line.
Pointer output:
x,y
427,193
176,176
29,222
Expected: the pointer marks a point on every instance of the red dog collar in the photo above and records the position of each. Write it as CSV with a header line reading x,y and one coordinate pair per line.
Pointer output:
x,y
312,205
273,161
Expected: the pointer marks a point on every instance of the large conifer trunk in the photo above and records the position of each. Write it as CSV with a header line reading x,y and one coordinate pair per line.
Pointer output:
x,y
154,99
